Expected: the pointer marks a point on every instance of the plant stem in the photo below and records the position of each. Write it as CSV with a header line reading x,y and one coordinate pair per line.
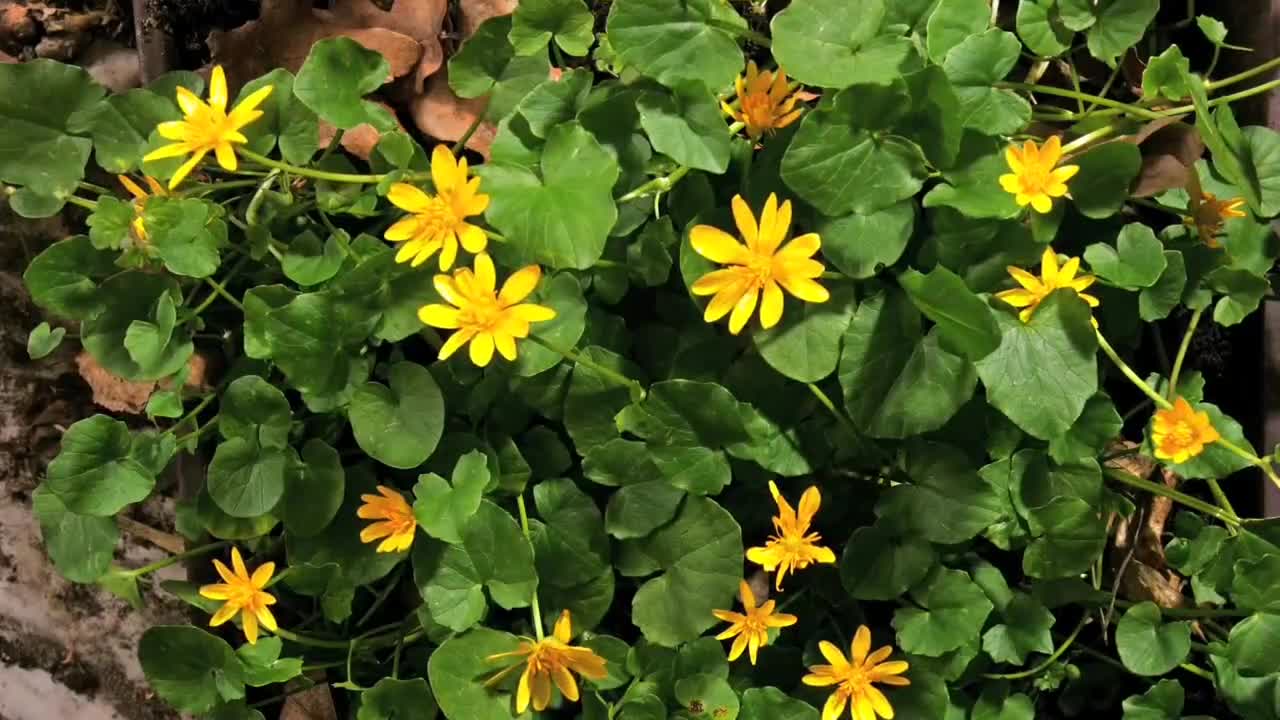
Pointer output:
x,y
1227,516
204,403
195,312
840,417
462,141
742,32
1072,94
1048,661
658,184
214,187
1080,142
89,205
175,559
354,178
195,434
1196,670
1182,352
637,390
533,608
312,641
259,197
1190,613
1238,77
218,288
1129,373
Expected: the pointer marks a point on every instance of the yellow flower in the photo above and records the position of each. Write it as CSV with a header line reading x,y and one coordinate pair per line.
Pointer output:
x,y
1036,289
1035,179
764,101
244,595
1208,213
751,628
140,201
436,222
208,128
396,520
551,659
1180,433
481,316
855,678
793,547
758,271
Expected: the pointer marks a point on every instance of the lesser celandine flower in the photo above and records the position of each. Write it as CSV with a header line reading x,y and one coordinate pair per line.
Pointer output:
x,y
208,128
1180,433
855,678
140,198
764,105
437,223
793,547
243,594
1052,277
1208,214
1036,179
750,628
546,661
483,316
758,271
396,522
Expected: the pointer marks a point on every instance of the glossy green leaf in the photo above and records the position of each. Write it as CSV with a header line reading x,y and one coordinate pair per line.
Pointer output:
x,y
951,22
191,669
43,340
974,66
487,64
1120,25
674,41
393,699
687,125
1041,28
949,610
1162,702
321,480
835,44
334,79
537,22
1136,262
399,425
102,466
246,478
136,308
881,563
47,108
964,321
1106,172
80,546
1148,645
805,344
442,507
458,670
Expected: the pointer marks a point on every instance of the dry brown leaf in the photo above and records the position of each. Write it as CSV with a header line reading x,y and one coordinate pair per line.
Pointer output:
x,y
125,396
475,12
359,140
313,704
1169,152
446,117
286,29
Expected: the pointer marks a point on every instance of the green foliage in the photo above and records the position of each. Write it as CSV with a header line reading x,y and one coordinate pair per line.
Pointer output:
x,y
972,478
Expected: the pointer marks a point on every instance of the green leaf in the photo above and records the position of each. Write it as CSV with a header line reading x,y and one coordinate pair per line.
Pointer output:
x,y
974,65
1242,293
1215,31
487,64
1148,645
593,399
401,425
697,470
145,340
1099,423
393,699
191,669
80,546
1042,29
1166,74
951,22
263,665
502,556
1163,701
881,563
1251,645
334,79
1101,187
458,670
805,345
356,563
935,122
43,340
897,383
1120,25
964,321
535,23
700,556
1157,301
1025,630
713,694
122,123
555,101
685,412
102,466
246,478
450,585
951,610
136,298
860,246
63,278
1136,262
973,183
110,223
253,409
1216,461
561,218
1045,370
947,502
562,293
1077,15
677,40
769,703
997,704
835,44
839,163
443,508
1073,537
1254,578
285,121
687,125
321,480
310,261
46,107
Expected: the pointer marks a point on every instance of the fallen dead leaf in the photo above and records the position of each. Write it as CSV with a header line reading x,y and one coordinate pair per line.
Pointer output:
x,y
286,29
1169,152
313,704
475,12
125,396
446,117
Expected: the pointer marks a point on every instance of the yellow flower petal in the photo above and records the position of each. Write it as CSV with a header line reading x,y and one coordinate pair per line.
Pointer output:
x,y
716,245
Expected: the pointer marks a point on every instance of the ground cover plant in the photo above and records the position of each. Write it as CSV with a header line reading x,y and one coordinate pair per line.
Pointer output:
x,y
764,368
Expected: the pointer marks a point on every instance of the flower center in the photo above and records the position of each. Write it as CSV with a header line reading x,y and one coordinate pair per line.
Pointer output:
x,y
761,269
1183,434
481,314
855,680
437,217
208,128
759,109
1034,178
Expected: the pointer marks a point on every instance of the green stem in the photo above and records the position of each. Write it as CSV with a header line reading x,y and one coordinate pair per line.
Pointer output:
x,y
1196,670
218,288
334,143
637,390
742,32
1224,99
1080,142
354,178
382,596
1072,94
498,237
175,559
235,269
1049,661
840,417
203,190
89,205
312,641
1239,77
204,403
1228,517
471,130
1191,613
658,184
1182,352
94,188
1129,373
195,435
259,197
534,608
